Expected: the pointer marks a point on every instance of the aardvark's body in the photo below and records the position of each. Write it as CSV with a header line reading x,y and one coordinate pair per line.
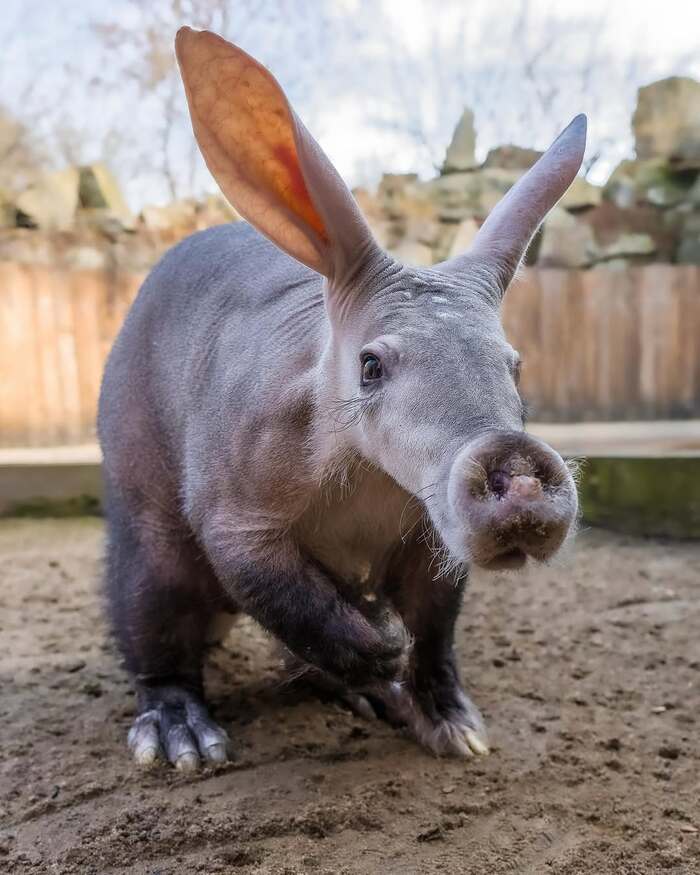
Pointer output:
x,y
286,436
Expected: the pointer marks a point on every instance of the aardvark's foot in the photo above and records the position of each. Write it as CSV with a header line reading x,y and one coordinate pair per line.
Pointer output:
x,y
175,725
444,722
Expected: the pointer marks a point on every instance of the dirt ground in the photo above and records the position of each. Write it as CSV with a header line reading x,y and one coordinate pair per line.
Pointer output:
x,y
588,673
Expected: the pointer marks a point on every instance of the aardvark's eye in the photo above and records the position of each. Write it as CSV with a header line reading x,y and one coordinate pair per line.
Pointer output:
x,y
371,369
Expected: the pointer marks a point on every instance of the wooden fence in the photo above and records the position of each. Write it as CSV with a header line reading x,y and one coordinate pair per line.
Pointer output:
x,y
602,344
608,344
56,329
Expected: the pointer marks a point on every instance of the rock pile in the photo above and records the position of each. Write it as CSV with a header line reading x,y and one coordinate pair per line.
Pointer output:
x,y
78,218
649,210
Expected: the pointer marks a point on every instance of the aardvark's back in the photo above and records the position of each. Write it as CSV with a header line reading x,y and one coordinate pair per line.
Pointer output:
x,y
216,319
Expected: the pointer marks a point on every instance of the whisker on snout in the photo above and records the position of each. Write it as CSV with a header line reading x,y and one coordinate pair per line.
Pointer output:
x,y
446,564
575,468
418,497
475,472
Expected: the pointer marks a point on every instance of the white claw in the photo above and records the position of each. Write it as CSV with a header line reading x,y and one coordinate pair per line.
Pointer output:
x,y
475,743
461,748
146,756
187,762
360,706
216,753
143,740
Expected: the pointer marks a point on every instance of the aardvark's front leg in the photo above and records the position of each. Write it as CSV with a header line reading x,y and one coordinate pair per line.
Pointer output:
x,y
432,703
297,600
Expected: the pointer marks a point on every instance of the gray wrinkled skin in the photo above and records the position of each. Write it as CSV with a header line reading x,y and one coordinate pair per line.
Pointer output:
x,y
259,398
243,419
249,467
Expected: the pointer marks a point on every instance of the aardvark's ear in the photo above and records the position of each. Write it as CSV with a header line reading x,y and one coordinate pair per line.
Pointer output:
x,y
505,235
265,161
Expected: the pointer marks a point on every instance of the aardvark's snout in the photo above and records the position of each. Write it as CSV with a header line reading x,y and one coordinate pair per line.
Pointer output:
x,y
515,496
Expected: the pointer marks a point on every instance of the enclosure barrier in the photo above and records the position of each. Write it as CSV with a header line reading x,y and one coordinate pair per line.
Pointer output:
x,y
602,344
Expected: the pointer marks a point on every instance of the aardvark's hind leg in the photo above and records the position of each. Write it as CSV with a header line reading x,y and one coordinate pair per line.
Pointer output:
x,y
162,598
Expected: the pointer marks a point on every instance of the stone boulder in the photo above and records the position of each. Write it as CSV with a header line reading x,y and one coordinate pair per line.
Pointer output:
x,y
461,154
413,252
511,157
666,122
28,246
461,196
424,229
566,241
628,246
101,221
402,194
215,210
175,215
694,193
8,211
85,257
581,195
645,233
689,246
51,201
647,182
463,238
379,224
404,209
99,190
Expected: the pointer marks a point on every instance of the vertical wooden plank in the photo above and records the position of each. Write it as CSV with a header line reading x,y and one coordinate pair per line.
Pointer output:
x,y
673,352
603,301
12,338
44,292
571,371
87,288
521,321
551,343
564,403
588,339
106,305
692,287
34,426
613,295
16,383
658,300
653,298
628,402
120,289
67,355
688,283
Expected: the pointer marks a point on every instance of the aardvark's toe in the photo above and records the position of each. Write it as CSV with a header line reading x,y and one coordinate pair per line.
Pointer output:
x,y
177,727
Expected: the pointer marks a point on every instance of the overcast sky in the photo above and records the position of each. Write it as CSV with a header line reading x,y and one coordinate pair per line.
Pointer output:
x,y
381,83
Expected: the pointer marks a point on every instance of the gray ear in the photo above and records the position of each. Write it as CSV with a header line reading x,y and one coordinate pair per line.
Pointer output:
x,y
505,235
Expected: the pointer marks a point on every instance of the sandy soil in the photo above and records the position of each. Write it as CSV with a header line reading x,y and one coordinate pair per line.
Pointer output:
x,y
588,674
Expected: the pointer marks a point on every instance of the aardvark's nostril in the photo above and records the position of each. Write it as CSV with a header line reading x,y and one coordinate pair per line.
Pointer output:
x,y
499,482
510,496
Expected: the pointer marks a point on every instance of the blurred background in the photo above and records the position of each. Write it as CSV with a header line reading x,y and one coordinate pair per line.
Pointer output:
x,y
431,112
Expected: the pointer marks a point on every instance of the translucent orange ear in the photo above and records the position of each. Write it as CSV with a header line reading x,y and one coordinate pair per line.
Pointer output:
x,y
250,139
